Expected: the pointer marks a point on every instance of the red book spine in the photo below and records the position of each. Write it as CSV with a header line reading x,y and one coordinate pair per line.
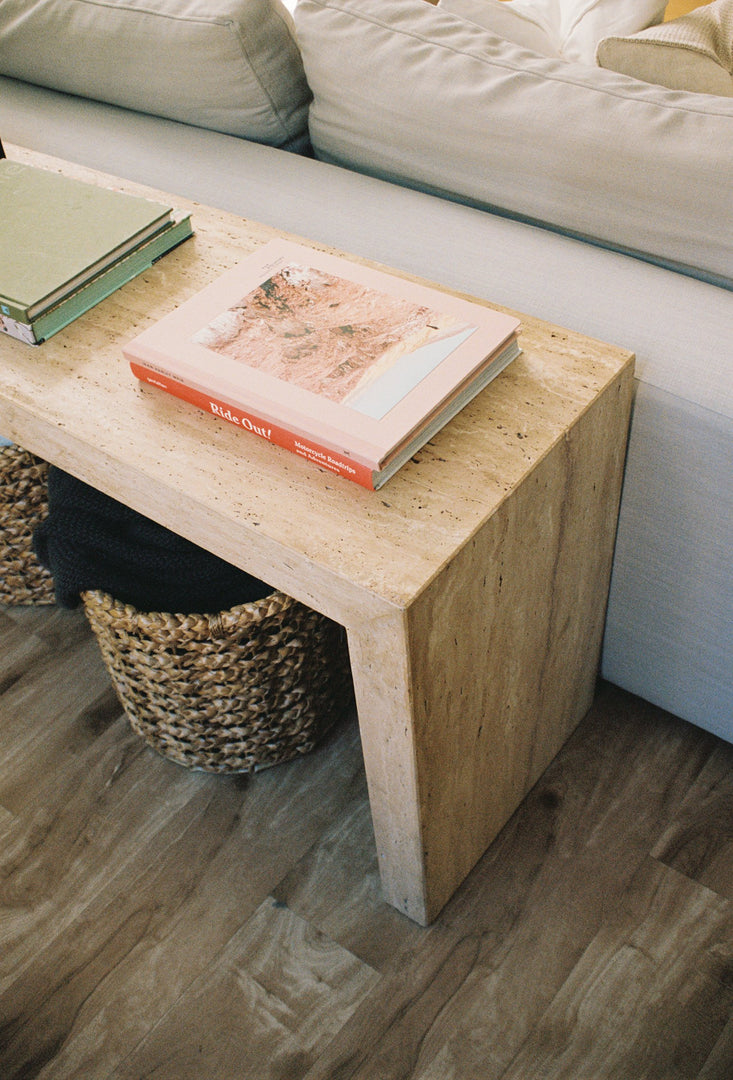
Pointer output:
x,y
306,448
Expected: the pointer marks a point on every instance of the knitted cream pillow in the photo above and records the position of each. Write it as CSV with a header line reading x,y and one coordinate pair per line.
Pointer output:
x,y
694,52
228,65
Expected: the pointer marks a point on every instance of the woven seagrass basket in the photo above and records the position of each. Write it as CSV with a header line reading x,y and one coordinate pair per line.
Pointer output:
x,y
23,505
236,691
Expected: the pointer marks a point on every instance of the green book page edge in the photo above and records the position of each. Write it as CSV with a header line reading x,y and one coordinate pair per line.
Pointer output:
x,y
100,287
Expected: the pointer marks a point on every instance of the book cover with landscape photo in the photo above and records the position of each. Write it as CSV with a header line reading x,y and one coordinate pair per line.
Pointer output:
x,y
318,353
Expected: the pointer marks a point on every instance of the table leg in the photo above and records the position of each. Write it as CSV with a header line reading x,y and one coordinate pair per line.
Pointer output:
x,y
381,668
465,696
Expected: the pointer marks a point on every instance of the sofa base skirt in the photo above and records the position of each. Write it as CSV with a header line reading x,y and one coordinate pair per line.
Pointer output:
x,y
669,625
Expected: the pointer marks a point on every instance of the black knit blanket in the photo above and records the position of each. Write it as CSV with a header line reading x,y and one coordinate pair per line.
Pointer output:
x,y
90,541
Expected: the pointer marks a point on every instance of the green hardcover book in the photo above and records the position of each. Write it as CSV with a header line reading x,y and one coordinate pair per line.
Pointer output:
x,y
101,286
56,233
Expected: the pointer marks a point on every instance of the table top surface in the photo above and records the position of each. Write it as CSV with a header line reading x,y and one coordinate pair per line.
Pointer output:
x,y
322,538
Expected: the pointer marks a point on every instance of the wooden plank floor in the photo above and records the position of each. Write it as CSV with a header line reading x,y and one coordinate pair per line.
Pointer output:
x,y
156,923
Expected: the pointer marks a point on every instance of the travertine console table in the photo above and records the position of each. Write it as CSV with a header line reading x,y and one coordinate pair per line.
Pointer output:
x,y
472,586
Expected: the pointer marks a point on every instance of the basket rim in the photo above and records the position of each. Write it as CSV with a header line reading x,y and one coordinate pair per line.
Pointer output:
x,y
101,603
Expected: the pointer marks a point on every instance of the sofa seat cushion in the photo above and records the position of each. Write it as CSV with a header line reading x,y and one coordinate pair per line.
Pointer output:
x,y
570,29
694,52
228,65
412,93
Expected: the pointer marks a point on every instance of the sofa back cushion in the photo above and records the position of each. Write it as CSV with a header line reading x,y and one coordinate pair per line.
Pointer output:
x,y
228,65
412,93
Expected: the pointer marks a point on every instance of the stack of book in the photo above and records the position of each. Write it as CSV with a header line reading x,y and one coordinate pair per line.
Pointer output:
x,y
351,368
65,245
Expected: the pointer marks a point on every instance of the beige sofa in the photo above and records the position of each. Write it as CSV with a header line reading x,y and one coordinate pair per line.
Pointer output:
x,y
413,135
